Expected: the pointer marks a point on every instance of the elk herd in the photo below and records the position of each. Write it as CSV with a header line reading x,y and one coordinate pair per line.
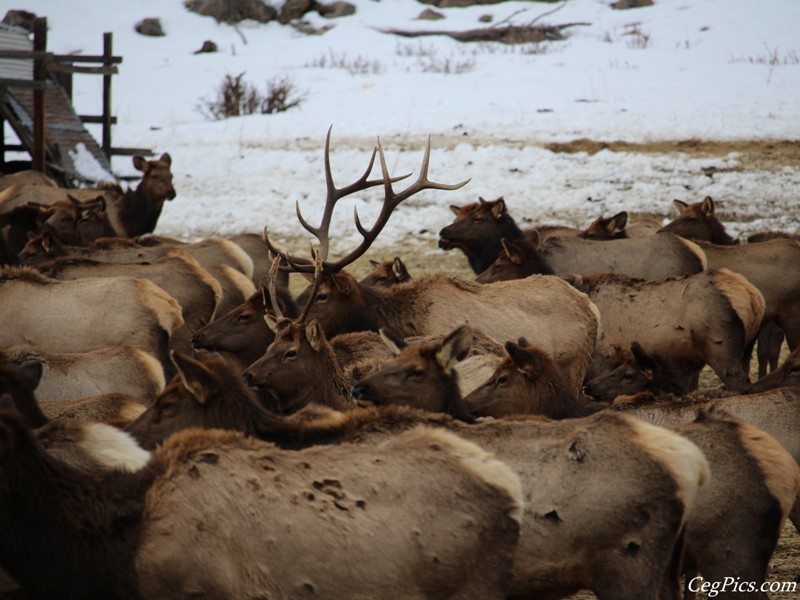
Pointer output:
x,y
177,421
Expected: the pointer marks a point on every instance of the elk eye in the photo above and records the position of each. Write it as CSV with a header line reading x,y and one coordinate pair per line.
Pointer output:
x,y
322,297
242,317
290,354
627,377
502,380
166,410
416,373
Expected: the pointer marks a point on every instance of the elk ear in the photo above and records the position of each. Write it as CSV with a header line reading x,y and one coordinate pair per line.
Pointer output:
x,y
343,283
618,222
314,334
647,364
399,270
31,370
454,348
166,158
7,402
393,341
198,379
511,251
534,239
680,205
140,163
708,206
573,279
455,209
525,359
499,209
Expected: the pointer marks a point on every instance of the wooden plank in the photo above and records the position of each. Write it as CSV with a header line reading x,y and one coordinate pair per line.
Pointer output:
x,y
95,119
132,152
107,54
25,83
39,74
68,68
83,58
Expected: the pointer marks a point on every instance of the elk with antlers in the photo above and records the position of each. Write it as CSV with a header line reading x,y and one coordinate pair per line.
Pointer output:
x,y
546,309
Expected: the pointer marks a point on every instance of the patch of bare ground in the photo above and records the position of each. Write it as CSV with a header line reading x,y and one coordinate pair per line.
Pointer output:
x,y
767,155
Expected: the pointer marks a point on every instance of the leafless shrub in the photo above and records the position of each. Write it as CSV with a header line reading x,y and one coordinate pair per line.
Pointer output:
x,y
418,49
235,97
773,58
637,38
360,65
447,66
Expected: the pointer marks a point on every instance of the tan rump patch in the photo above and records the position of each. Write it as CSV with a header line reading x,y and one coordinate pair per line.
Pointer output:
x,y
680,457
781,473
473,458
746,300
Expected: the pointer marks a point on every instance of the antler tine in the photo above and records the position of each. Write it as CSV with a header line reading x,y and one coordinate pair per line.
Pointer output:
x,y
334,194
273,296
390,202
292,264
318,271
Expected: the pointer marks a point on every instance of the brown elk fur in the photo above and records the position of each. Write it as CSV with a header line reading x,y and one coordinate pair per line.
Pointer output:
x,y
771,267
527,381
649,257
178,274
300,367
776,412
79,316
242,331
698,222
561,320
617,228
710,317
132,212
579,524
113,527
740,457
120,369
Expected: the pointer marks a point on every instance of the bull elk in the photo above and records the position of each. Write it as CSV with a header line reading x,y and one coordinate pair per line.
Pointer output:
x,y
577,531
276,523
561,319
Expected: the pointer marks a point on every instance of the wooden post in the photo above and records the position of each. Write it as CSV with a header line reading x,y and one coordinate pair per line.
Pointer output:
x,y
39,157
107,62
2,144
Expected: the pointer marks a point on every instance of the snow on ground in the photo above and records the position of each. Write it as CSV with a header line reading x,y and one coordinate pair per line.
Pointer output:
x,y
682,69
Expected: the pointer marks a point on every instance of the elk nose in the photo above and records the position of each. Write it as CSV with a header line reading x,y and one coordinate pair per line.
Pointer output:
x,y
587,391
360,391
247,377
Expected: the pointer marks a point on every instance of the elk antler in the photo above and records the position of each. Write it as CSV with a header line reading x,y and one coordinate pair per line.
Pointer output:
x,y
390,202
273,296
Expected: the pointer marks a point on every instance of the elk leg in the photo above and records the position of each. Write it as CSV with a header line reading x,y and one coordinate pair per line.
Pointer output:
x,y
770,341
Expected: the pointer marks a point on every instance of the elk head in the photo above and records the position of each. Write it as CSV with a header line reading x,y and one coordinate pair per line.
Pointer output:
x,y
387,273
156,181
698,222
243,331
518,259
337,288
207,394
641,372
420,375
527,381
603,229
477,231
